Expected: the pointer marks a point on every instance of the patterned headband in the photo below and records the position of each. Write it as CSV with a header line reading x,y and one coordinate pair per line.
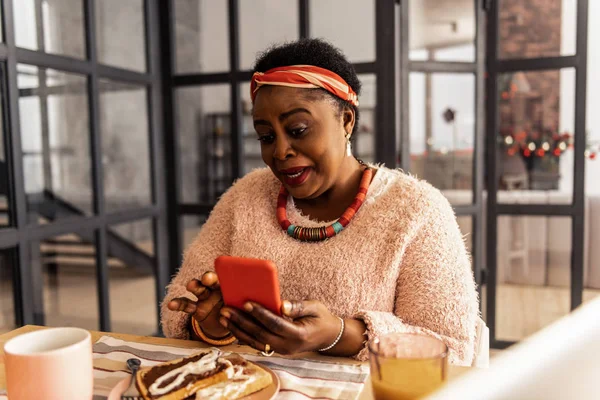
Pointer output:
x,y
306,77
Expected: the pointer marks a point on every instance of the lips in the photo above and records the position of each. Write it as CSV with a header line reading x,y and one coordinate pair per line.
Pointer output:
x,y
295,176
292,170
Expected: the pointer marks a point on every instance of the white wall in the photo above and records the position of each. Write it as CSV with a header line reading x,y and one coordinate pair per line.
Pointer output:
x,y
25,23
567,93
593,94
120,33
436,23
29,108
567,124
262,23
455,91
354,33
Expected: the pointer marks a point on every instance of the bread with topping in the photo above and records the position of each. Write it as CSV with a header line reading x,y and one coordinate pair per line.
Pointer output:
x,y
210,374
247,378
182,378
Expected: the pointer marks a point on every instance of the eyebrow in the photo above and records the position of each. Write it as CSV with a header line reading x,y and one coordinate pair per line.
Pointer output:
x,y
283,116
287,114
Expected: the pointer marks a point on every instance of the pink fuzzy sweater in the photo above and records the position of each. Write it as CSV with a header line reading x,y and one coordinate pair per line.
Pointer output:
x,y
400,265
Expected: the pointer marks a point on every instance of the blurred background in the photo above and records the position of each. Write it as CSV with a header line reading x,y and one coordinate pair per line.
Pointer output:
x,y
123,121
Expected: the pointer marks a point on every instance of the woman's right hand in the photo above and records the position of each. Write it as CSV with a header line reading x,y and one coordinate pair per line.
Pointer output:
x,y
207,309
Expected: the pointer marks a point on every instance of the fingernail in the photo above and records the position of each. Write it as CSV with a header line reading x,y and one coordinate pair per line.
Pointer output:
x,y
225,314
287,307
248,307
223,322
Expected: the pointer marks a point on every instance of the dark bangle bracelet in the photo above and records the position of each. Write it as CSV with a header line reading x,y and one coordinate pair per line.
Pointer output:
x,y
214,337
194,330
197,329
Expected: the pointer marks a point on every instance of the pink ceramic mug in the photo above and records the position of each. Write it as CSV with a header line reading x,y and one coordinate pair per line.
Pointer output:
x,y
50,364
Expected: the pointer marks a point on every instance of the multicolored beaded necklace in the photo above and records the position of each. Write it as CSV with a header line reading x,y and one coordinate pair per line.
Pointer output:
x,y
324,232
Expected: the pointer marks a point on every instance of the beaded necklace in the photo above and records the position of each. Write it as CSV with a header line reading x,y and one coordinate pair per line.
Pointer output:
x,y
324,232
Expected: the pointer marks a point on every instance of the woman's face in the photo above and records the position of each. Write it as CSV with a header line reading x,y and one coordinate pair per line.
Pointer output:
x,y
303,138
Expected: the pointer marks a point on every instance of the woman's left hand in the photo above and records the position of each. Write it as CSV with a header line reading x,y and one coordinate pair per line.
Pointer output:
x,y
309,326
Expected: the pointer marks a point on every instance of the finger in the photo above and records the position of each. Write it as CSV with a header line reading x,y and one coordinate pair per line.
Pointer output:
x,y
272,322
300,309
197,289
248,325
210,279
182,304
243,337
205,307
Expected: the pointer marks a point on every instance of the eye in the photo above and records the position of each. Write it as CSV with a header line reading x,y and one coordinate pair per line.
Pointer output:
x,y
297,132
266,139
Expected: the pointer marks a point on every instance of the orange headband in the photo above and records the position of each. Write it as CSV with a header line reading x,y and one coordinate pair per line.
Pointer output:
x,y
304,76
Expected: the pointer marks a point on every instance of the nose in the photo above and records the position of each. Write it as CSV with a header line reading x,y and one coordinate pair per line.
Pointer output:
x,y
283,148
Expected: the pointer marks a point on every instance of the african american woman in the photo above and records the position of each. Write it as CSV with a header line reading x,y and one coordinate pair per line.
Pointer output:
x,y
361,250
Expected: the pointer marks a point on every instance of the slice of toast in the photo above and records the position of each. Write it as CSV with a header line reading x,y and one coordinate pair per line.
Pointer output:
x,y
247,378
182,378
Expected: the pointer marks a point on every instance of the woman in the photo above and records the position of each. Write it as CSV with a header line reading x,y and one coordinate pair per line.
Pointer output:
x,y
384,253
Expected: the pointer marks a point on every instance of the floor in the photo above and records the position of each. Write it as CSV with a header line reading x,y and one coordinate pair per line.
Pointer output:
x,y
70,299
522,310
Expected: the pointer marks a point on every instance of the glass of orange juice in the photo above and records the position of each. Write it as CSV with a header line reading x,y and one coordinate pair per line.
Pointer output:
x,y
407,366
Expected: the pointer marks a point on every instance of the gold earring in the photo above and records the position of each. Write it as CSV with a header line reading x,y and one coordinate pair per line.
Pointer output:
x,y
348,146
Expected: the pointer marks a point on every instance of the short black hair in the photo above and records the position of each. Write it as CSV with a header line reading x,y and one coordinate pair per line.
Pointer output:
x,y
317,52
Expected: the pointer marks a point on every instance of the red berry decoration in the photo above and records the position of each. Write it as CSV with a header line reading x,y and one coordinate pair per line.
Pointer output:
x,y
540,152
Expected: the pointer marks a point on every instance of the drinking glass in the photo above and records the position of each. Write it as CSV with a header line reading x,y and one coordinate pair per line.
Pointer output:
x,y
407,366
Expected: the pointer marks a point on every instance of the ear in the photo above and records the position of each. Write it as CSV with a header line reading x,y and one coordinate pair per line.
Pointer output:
x,y
348,120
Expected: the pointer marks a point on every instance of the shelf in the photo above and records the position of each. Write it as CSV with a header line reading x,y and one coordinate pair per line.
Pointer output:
x,y
217,153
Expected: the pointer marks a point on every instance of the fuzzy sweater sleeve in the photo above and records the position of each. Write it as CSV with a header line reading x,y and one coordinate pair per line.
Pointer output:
x,y
213,240
435,291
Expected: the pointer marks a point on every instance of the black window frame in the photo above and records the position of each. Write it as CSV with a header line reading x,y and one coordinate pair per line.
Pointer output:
x,y
476,68
576,210
22,235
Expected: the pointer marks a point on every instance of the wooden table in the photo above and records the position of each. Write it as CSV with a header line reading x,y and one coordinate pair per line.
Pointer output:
x,y
365,395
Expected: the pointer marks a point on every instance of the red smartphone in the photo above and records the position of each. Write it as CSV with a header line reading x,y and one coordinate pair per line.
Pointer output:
x,y
248,279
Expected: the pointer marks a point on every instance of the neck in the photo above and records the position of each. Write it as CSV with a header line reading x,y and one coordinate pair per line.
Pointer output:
x,y
331,204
